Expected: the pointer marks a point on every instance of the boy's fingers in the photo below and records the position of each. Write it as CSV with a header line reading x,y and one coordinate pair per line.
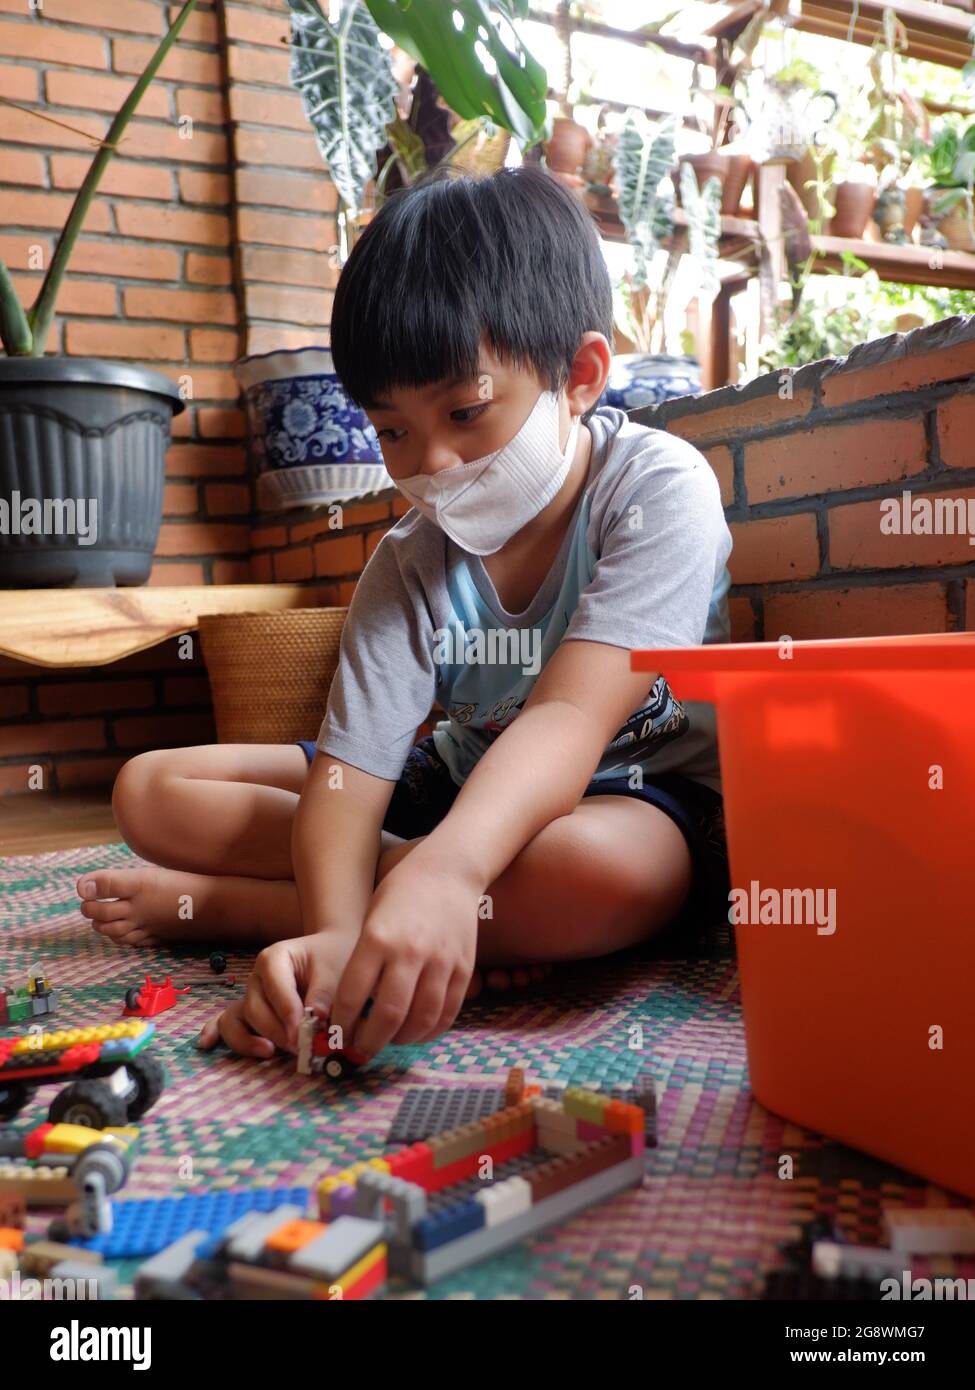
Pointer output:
x,y
239,1037
276,977
392,1004
456,994
209,1035
354,988
428,1005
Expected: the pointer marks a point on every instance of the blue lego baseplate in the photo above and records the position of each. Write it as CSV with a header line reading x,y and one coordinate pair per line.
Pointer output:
x,y
144,1226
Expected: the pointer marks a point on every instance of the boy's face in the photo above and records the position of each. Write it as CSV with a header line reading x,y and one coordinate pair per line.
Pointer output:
x,y
427,429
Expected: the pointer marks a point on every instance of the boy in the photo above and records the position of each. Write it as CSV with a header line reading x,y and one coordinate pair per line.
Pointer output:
x,y
566,807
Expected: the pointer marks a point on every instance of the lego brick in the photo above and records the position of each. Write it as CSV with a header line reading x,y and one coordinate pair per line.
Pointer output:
x,y
343,1202
931,1230
104,1280
505,1200
11,1238
372,1281
585,1104
146,1226
353,1278
449,1224
260,1283
290,1237
514,1089
338,1247
245,1238
831,1260
427,1267
8,1262
40,1186
430,1110
40,1256
558,1142
13,1209
164,1275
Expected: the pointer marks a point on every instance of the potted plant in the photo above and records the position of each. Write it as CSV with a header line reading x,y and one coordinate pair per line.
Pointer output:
x,y
717,113
949,163
898,130
310,443
646,200
82,440
570,142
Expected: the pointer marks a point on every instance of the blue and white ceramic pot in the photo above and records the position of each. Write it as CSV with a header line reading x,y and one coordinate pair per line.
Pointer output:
x,y
639,379
309,444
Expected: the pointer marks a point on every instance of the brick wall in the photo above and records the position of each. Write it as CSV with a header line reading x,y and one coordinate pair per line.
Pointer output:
x,y
204,248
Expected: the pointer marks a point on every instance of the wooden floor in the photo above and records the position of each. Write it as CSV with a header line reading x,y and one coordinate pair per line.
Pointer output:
x,y
34,821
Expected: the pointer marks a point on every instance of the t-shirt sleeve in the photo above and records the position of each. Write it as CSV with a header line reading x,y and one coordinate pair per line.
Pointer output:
x,y
385,680
663,545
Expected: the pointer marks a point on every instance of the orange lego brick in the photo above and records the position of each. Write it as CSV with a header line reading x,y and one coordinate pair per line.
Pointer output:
x,y
11,1238
622,1118
293,1235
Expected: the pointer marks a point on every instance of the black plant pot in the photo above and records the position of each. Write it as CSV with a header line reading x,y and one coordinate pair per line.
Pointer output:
x,y
82,464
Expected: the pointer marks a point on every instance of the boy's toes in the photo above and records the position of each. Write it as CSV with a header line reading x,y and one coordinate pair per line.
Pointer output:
x,y
111,911
498,979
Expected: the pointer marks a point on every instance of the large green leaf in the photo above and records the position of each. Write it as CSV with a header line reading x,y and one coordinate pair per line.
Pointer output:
x,y
703,209
643,160
347,86
446,36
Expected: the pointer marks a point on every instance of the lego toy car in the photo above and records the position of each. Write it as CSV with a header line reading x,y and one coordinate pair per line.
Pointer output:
x,y
81,1149
316,1054
149,999
113,1078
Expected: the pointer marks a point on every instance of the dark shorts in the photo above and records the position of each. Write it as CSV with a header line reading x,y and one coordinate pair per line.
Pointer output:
x,y
425,793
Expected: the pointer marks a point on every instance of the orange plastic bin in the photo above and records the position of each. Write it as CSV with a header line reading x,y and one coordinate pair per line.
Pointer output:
x,y
850,766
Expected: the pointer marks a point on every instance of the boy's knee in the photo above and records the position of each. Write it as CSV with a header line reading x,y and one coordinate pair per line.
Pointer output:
x,y
137,785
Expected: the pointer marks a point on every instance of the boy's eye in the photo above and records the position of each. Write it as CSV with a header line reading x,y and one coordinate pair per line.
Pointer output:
x,y
468,412
389,432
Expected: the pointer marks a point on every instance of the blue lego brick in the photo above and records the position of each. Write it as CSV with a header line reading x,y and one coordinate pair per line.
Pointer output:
x,y
146,1226
448,1224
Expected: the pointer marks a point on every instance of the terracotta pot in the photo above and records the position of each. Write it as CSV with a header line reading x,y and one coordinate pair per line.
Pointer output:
x,y
704,166
954,227
913,207
739,172
801,172
854,204
567,149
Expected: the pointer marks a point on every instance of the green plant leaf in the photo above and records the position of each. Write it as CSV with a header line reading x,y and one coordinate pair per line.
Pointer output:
x,y
703,208
15,331
450,49
642,160
347,86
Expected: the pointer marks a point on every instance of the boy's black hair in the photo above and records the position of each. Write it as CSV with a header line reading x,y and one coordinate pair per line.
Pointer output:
x,y
513,257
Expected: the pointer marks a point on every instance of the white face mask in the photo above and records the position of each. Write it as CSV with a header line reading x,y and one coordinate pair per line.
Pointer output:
x,y
482,504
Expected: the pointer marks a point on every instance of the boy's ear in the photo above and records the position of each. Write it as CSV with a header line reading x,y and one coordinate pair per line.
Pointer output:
x,y
589,372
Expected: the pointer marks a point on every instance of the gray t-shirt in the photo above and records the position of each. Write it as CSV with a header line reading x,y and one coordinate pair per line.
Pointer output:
x,y
642,564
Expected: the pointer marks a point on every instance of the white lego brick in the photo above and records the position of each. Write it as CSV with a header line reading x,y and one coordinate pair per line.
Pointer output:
x,y
245,1238
830,1260
556,1141
931,1230
549,1115
338,1248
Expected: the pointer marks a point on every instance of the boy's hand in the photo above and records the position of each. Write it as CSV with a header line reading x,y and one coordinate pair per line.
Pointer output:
x,y
286,978
415,958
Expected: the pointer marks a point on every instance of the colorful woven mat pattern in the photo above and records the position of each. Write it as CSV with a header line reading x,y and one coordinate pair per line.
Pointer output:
x,y
710,1219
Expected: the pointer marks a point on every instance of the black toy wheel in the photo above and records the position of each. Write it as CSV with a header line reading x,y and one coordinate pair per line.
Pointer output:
x,y
91,1103
336,1068
13,1097
132,997
150,1082
218,962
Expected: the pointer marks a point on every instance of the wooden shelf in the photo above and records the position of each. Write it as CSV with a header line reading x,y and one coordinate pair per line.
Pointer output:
x,y
908,264
92,627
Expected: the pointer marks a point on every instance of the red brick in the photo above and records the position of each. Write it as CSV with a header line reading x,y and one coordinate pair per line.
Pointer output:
x,y
856,540
49,210
209,270
956,431
44,43
155,140
372,540
95,697
122,177
204,186
278,149
303,192
253,65
202,538
261,571
186,690
181,306
227,499
812,614
721,461
16,250
180,499
742,616
199,460
74,297
343,555
781,547
125,340
315,234
204,107
294,564
14,701
21,167
343,594
899,374
200,27
218,422
173,224
213,345
361,513
289,267
89,774
252,26
831,457
266,337
706,421
209,383
181,573
259,106
268,535
101,93
24,128
311,307
115,259
18,84
52,737
232,572
130,16
338,522
400,505
16,779
180,730
181,426
182,64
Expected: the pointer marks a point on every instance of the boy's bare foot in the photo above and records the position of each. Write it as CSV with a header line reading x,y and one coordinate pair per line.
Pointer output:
x,y
499,981
150,904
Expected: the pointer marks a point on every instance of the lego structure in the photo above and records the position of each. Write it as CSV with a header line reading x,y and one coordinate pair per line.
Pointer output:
x,y
316,1055
37,1000
113,1078
149,999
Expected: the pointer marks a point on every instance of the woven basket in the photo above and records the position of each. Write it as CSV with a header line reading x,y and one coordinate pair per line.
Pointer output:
x,y
270,672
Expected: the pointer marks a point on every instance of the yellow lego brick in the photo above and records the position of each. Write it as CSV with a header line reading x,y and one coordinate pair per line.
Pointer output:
x,y
69,1139
353,1275
584,1104
380,1164
62,1038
